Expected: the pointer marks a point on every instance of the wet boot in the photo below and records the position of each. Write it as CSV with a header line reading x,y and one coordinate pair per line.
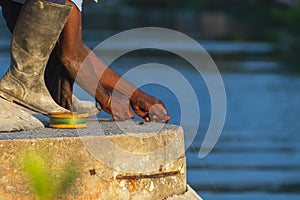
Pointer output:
x,y
35,35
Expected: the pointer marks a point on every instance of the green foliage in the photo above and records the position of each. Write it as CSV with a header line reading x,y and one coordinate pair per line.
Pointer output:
x,y
258,18
43,181
232,6
289,18
40,178
67,178
153,3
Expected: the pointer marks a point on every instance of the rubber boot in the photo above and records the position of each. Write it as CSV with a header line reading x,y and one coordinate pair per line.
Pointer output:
x,y
81,106
35,35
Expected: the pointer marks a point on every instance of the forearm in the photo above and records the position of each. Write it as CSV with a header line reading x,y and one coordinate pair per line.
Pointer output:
x,y
111,80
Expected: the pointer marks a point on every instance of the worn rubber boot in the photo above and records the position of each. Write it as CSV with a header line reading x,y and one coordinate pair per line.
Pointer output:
x,y
36,33
82,106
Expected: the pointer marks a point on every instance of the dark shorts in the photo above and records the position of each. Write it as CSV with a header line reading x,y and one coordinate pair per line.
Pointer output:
x,y
10,12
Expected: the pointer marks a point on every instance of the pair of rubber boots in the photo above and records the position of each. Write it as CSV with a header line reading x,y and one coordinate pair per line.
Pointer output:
x,y
35,35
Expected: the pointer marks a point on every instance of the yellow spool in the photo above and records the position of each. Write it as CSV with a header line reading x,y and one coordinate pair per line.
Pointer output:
x,y
67,120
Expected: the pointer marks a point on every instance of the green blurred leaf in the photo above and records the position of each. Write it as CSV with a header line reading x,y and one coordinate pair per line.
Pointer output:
x,y
67,177
39,175
44,183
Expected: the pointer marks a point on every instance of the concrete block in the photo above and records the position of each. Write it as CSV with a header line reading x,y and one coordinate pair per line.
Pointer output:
x,y
128,160
16,118
190,194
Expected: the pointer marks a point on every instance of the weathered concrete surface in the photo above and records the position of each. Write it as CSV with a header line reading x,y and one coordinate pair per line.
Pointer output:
x,y
16,118
190,194
141,163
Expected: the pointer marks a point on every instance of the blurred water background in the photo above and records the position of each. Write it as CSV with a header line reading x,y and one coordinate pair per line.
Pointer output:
x,y
255,45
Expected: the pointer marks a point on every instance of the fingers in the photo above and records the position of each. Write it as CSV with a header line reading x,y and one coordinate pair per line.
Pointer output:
x,y
150,109
158,113
131,115
117,116
120,108
147,119
164,119
156,116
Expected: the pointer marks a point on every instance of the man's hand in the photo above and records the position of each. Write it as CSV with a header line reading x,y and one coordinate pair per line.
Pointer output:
x,y
150,108
119,107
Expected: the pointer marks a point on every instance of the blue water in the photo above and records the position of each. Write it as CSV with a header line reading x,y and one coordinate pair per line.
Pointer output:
x,y
258,153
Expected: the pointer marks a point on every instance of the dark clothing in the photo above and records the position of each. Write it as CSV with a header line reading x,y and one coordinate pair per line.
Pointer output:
x,y
10,11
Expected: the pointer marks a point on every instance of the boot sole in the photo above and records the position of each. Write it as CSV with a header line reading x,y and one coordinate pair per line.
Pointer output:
x,y
10,98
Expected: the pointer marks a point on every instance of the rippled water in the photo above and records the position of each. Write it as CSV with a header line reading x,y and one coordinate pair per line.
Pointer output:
x,y
258,154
